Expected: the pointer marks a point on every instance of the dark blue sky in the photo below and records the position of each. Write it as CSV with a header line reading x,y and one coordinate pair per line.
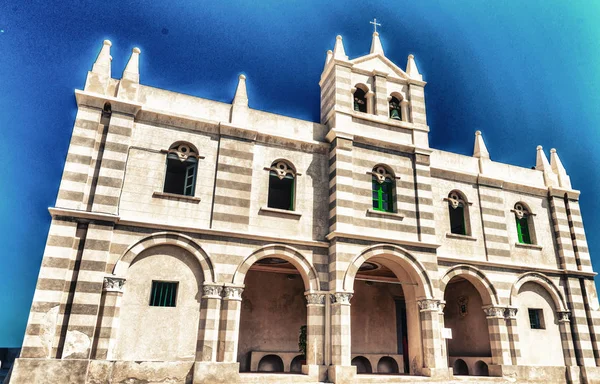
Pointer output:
x,y
525,73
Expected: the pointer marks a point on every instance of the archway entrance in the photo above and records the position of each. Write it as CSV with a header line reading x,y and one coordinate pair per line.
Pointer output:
x,y
463,313
273,310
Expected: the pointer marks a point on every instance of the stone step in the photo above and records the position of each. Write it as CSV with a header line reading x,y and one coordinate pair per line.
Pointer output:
x,y
275,378
405,379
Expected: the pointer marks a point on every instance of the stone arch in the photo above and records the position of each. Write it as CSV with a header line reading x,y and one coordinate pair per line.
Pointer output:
x,y
479,280
397,95
285,252
545,282
395,254
166,238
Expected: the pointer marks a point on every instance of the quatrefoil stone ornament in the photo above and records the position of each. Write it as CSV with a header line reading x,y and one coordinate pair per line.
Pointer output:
x,y
520,211
183,151
381,174
282,169
454,200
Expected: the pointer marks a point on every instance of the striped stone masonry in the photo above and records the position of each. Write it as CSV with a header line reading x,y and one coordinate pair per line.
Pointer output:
x,y
229,324
499,338
424,198
562,233
417,104
208,326
340,328
85,307
233,186
580,329
494,222
510,315
77,175
110,307
315,327
335,91
564,325
112,164
431,334
341,185
580,246
48,306
381,95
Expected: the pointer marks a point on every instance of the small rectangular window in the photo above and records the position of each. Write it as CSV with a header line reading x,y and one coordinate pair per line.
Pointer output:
x,y
536,318
163,294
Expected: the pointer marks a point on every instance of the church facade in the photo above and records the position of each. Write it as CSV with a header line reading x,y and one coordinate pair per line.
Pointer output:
x,y
195,241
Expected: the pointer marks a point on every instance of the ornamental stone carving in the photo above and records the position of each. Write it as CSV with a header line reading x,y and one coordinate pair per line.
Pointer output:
x,y
494,311
341,298
520,211
315,298
183,151
282,169
429,305
113,284
212,290
380,174
455,201
510,313
564,316
233,293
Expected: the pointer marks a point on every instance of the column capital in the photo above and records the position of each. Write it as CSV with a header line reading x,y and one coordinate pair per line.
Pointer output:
x,y
233,292
510,313
564,316
494,312
341,298
315,298
212,291
429,305
113,284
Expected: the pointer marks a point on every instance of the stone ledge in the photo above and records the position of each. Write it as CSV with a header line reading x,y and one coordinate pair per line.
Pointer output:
x,y
385,215
451,235
280,212
529,246
174,196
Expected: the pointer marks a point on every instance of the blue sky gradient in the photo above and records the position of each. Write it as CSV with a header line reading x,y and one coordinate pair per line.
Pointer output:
x,y
524,73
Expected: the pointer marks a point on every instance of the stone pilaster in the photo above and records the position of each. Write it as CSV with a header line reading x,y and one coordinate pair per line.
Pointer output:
x,y
564,324
425,217
208,326
381,95
340,328
229,324
315,327
431,334
582,340
510,316
499,340
110,309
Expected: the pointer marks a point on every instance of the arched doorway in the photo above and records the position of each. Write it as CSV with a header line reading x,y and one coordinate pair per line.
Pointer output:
x,y
392,312
160,307
273,310
463,313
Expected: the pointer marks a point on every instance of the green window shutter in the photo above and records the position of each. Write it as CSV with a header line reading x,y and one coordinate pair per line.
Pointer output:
x,y
190,180
383,197
523,230
292,189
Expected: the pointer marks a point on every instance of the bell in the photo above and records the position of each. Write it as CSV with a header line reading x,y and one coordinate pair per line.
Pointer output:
x,y
395,114
356,106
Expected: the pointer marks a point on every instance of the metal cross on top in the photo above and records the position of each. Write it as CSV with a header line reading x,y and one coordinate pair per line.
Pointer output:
x,y
375,24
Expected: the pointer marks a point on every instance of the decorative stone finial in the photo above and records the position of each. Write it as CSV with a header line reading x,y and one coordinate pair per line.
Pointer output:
x,y
376,46
132,69
411,68
338,50
239,106
557,167
241,95
102,64
541,161
480,150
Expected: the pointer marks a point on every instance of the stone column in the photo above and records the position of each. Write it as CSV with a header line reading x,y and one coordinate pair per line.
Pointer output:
x,y
510,316
442,326
370,98
381,98
564,324
315,329
208,326
110,309
498,335
431,335
340,328
404,110
229,324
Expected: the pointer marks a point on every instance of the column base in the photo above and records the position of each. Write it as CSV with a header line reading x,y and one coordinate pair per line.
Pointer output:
x,y
341,374
217,373
438,373
317,372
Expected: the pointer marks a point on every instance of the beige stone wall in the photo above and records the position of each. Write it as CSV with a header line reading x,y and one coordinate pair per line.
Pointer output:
x,y
160,333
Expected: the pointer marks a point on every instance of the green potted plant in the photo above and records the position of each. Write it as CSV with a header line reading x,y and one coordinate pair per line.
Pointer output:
x,y
302,343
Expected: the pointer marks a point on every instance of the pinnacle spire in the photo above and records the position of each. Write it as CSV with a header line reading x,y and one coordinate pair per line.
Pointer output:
x,y
328,58
480,150
411,68
541,161
376,46
102,64
557,167
338,50
241,95
132,69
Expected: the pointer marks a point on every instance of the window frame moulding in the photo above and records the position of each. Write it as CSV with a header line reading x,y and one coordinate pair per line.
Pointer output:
x,y
283,212
451,235
175,196
529,246
383,214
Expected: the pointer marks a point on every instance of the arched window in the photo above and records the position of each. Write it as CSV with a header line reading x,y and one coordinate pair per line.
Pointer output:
x,y
182,164
383,183
395,110
458,212
523,218
282,177
360,98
